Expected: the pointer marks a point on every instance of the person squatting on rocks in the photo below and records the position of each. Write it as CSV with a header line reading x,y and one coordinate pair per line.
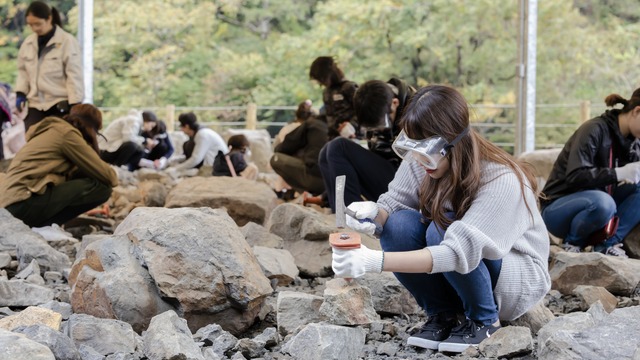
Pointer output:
x,y
203,144
295,159
121,143
337,96
459,226
50,78
157,143
235,163
58,174
594,179
303,112
378,107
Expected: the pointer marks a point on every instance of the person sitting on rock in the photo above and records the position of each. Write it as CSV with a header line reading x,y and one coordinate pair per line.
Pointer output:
x,y
235,164
459,226
58,174
121,143
295,159
157,143
595,180
203,145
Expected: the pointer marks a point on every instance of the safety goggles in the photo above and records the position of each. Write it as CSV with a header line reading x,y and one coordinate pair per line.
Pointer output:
x,y
427,152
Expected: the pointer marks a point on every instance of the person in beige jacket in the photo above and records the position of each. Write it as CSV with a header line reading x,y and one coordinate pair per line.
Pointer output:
x,y
58,174
49,67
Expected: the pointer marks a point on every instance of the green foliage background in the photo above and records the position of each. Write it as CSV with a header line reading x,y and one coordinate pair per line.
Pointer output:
x,y
230,52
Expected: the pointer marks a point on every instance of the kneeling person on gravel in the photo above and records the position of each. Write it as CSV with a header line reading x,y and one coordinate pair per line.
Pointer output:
x,y
459,226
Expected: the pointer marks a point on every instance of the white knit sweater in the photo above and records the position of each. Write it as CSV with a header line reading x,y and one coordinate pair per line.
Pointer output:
x,y
207,145
498,225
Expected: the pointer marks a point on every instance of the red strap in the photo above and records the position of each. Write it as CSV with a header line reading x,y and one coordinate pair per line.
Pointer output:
x,y
610,187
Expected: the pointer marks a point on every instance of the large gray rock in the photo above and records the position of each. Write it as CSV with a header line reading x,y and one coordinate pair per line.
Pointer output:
x,y
614,337
277,264
388,295
16,236
618,276
295,309
21,293
168,337
248,201
103,335
60,345
199,259
322,341
258,235
109,281
347,303
17,347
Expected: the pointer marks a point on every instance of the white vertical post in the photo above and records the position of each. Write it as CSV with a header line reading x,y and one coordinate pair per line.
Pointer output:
x,y
532,44
526,74
85,38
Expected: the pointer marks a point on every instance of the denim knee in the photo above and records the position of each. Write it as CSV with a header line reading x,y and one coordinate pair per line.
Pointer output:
x,y
404,231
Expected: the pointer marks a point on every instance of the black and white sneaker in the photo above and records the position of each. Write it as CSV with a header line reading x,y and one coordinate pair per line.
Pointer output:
x,y
469,333
434,331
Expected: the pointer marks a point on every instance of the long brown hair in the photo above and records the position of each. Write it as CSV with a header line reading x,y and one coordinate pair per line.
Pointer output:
x,y
441,110
88,119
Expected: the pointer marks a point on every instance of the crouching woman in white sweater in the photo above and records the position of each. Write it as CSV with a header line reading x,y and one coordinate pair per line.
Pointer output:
x,y
459,227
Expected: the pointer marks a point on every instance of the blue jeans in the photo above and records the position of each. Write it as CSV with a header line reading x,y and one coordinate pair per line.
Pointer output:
x,y
576,216
451,292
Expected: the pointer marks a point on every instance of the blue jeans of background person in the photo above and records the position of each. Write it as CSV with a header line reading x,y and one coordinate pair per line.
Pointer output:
x,y
471,293
368,174
576,216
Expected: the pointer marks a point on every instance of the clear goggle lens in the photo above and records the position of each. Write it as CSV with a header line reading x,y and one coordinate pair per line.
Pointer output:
x,y
427,152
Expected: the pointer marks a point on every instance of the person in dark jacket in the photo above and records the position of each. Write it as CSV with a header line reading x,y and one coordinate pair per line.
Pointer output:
x,y
295,159
157,143
338,111
378,107
595,178
238,149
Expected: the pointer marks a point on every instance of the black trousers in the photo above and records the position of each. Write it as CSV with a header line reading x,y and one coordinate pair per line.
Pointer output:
x,y
61,203
34,116
129,153
368,174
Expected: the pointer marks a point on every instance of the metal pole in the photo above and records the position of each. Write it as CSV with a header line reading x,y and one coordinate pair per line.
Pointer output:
x,y
85,37
526,74
521,76
532,36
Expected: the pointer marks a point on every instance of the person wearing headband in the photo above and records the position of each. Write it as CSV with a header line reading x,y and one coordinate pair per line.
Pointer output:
x,y
459,227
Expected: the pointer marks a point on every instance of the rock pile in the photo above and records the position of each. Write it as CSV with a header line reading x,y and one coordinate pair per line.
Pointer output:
x,y
215,268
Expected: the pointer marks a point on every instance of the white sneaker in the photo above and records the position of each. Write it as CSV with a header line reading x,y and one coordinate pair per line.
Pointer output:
x,y
161,163
571,248
616,250
146,163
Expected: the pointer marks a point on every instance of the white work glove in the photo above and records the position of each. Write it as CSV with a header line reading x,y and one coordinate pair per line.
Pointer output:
x,y
366,212
628,174
356,262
